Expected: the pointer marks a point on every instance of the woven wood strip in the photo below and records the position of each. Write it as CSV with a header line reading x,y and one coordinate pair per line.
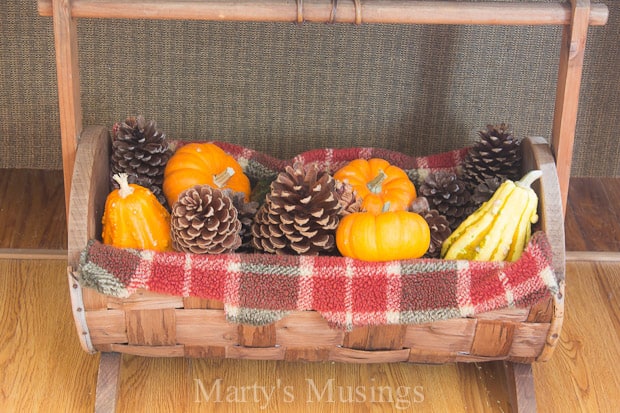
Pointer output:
x,y
257,336
492,338
151,327
106,326
205,328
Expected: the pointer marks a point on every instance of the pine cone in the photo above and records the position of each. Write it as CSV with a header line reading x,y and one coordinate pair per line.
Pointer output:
x,y
300,214
141,151
347,197
440,231
419,205
204,221
245,212
497,154
484,190
449,195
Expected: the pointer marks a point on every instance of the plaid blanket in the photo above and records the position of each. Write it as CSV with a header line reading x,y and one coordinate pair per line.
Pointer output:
x,y
258,165
259,289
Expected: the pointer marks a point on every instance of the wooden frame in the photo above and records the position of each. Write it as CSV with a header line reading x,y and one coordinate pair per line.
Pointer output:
x,y
575,17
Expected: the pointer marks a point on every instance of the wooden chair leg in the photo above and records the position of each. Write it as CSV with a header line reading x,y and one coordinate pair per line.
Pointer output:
x,y
108,380
521,391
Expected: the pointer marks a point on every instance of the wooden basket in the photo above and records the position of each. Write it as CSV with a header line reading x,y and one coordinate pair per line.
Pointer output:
x,y
149,324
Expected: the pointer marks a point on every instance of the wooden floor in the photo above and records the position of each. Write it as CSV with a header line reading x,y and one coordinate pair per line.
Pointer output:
x,y
42,367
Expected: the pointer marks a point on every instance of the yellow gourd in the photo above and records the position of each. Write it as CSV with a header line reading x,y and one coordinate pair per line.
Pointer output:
x,y
133,218
500,229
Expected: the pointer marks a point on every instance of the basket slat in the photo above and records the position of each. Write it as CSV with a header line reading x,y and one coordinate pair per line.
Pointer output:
x,y
197,327
149,351
349,355
154,327
302,329
144,300
444,337
106,326
376,338
529,339
492,339
257,336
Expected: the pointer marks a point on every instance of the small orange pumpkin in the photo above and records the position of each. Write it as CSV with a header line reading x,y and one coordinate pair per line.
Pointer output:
x,y
378,182
133,218
389,235
203,164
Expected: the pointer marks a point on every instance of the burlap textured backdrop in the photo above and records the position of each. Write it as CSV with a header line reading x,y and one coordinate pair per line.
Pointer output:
x,y
283,88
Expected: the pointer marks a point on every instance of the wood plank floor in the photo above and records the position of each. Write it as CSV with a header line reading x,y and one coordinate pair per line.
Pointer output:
x,y
43,368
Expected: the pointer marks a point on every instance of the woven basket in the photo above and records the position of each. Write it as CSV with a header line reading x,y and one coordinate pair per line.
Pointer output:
x,y
149,324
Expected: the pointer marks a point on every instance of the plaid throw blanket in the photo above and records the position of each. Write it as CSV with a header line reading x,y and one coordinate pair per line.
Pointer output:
x,y
258,165
259,289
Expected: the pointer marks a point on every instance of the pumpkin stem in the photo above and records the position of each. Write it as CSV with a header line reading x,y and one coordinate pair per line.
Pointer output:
x,y
374,186
386,207
125,190
529,178
221,179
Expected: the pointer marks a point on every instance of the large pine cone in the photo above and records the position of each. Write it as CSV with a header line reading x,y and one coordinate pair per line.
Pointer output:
x,y
204,221
449,195
497,154
300,214
141,151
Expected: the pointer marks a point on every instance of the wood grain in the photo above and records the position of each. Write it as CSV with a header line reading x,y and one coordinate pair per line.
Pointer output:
x,y
32,208
594,220
41,362
572,54
108,382
373,11
582,367
69,99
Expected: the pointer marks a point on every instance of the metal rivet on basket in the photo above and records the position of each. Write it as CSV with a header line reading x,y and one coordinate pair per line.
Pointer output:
x,y
79,309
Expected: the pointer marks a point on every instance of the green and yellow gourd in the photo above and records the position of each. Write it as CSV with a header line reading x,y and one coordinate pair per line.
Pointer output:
x,y
500,229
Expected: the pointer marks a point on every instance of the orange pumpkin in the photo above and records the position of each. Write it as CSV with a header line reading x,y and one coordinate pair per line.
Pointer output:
x,y
203,164
391,235
378,182
133,218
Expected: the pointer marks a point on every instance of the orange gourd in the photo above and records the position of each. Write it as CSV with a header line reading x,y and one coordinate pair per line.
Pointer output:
x,y
203,164
378,182
134,218
389,235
